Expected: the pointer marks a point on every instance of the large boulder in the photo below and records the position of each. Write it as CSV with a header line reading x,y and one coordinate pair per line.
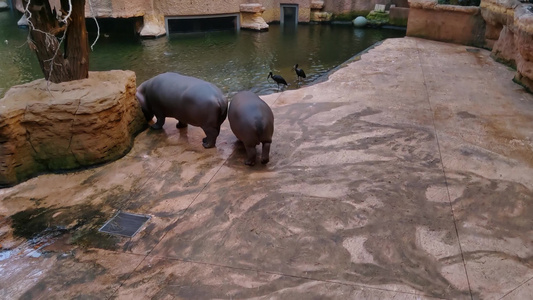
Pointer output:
x,y
47,127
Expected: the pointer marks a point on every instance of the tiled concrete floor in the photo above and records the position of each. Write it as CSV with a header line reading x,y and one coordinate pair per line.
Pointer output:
x,y
407,175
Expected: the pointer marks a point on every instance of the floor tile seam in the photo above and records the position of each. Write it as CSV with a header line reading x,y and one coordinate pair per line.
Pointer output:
x,y
428,99
180,216
140,186
274,103
514,289
169,229
287,275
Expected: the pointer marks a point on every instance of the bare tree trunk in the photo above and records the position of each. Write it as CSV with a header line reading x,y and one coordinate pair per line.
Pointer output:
x,y
47,34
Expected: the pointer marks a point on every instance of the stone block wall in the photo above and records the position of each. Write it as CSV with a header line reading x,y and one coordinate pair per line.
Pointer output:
x,y
116,8
154,12
398,16
447,23
349,6
272,11
192,8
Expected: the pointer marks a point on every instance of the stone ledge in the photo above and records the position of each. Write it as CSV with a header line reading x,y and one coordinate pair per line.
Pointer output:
x,y
433,5
317,5
153,26
252,17
320,16
251,8
47,127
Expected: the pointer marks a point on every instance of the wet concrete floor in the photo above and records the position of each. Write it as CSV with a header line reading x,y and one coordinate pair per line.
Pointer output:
x,y
407,175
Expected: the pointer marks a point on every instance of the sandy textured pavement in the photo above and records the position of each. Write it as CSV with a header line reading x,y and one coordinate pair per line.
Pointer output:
x,y
407,175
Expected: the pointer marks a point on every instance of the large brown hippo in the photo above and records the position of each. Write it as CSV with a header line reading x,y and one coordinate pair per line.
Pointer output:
x,y
252,122
190,100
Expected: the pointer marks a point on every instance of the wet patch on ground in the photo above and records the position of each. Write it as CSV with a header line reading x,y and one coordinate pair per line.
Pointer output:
x,y
44,225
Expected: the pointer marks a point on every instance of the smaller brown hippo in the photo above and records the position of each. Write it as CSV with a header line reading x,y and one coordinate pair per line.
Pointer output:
x,y
252,122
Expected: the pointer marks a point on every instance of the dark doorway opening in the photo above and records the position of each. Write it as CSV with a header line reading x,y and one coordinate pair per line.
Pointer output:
x,y
113,27
289,14
201,24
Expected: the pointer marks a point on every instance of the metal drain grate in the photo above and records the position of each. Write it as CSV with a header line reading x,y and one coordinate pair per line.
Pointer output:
x,y
473,50
125,224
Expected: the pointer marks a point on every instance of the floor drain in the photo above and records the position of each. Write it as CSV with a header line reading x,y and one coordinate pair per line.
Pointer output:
x,y
125,224
473,50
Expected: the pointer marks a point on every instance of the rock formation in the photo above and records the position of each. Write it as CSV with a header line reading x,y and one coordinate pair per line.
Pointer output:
x,y
153,26
46,127
317,13
252,17
510,35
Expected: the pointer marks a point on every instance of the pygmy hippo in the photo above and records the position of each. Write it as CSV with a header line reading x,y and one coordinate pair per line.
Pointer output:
x,y
190,100
252,122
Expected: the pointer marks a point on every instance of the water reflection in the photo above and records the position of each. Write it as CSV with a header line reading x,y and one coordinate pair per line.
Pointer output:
x,y
234,61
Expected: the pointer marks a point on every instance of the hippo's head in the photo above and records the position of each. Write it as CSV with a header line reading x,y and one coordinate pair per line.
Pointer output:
x,y
148,114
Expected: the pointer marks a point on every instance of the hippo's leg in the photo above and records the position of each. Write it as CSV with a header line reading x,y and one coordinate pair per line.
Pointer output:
x,y
160,122
211,136
181,124
265,153
251,153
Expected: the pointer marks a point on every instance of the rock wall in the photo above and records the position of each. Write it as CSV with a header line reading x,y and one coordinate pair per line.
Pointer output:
x,y
510,36
191,8
46,127
117,8
134,8
349,6
399,16
272,9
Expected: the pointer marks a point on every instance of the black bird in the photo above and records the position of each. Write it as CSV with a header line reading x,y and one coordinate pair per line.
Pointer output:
x,y
299,72
277,78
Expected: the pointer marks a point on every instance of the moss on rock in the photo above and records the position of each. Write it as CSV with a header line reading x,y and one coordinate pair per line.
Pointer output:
x,y
349,16
376,18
